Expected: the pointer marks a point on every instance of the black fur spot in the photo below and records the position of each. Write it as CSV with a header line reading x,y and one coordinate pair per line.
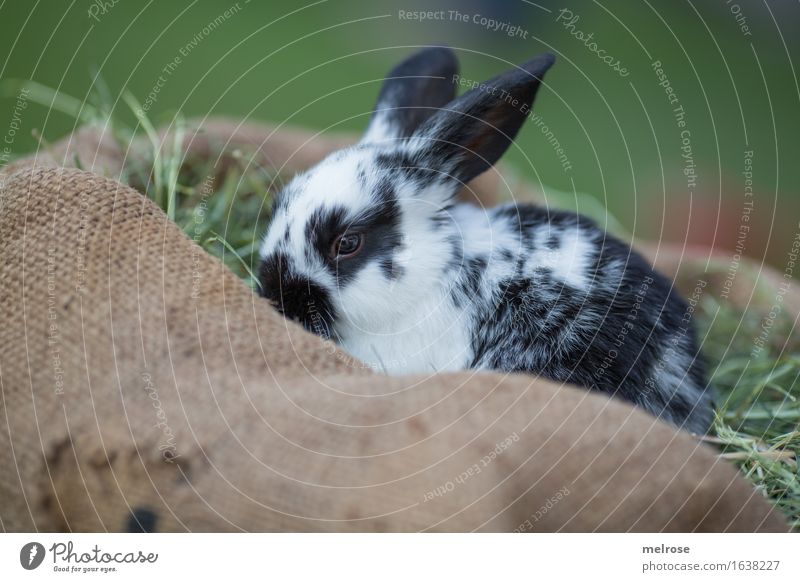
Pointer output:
x,y
391,162
440,220
383,192
141,520
391,269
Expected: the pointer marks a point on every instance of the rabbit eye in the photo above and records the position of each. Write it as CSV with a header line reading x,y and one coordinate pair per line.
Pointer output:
x,y
347,245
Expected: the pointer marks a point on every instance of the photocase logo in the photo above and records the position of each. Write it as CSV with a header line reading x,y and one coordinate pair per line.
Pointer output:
x,y
31,555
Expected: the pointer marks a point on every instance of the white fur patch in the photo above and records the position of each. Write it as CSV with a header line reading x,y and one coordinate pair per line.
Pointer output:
x,y
332,183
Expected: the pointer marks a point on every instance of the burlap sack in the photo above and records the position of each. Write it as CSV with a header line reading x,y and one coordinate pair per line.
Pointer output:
x,y
144,387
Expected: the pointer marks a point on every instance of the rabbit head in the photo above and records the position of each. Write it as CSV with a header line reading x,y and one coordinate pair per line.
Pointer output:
x,y
366,234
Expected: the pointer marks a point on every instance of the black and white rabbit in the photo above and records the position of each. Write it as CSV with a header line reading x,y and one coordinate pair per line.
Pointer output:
x,y
371,249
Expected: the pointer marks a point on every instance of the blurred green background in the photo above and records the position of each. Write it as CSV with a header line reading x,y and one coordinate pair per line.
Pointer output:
x,y
731,65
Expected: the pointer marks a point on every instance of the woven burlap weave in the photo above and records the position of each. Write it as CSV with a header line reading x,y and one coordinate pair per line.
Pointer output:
x,y
146,387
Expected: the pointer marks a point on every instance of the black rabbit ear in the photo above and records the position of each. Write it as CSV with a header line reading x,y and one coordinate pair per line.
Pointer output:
x,y
412,92
468,136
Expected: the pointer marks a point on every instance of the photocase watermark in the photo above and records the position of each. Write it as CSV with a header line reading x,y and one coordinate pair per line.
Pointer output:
x,y
493,90
622,335
199,217
767,324
14,126
525,109
675,348
20,105
508,28
80,250
548,505
551,138
472,470
691,304
676,351
169,451
100,8
68,559
744,227
664,82
95,560
568,19
53,334
173,65
687,152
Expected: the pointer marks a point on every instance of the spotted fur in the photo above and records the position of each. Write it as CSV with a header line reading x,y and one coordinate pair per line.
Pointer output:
x,y
440,285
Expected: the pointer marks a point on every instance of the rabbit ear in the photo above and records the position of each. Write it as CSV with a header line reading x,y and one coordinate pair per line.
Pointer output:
x,y
412,92
469,135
